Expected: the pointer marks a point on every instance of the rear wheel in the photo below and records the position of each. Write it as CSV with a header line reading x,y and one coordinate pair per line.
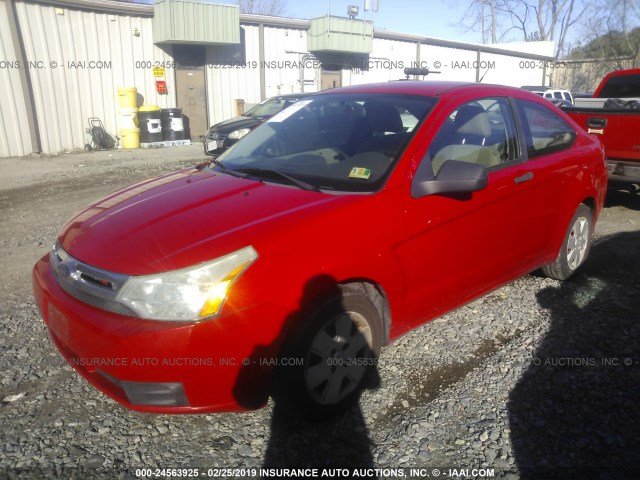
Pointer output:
x,y
338,349
575,247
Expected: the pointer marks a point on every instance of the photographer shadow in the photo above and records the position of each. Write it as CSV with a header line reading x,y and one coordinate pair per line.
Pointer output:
x,y
341,442
574,412
298,440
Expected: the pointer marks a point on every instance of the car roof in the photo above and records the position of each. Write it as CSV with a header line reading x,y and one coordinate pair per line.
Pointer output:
x,y
290,95
424,88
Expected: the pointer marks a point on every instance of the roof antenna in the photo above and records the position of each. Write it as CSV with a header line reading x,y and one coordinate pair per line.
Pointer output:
x,y
418,72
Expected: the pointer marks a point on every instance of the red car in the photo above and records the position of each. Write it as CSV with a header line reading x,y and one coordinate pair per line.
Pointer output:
x,y
341,223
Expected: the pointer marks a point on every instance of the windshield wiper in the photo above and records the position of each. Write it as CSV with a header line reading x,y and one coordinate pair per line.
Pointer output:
x,y
233,173
292,180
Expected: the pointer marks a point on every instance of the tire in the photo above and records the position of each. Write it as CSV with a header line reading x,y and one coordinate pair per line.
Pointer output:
x,y
575,246
339,347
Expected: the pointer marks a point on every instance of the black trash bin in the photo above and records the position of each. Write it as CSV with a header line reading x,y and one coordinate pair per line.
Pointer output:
x,y
172,124
150,124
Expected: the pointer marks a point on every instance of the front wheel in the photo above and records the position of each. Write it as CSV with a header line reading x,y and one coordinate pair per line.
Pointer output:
x,y
338,347
575,247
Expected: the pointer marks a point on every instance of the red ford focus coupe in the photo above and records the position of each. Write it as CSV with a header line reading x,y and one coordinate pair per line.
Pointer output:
x,y
341,223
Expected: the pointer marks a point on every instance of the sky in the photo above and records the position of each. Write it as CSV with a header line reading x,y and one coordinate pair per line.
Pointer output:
x,y
431,18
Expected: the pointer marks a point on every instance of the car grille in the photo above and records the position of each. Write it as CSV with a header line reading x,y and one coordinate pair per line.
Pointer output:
x,y
88,284
214,143
217,136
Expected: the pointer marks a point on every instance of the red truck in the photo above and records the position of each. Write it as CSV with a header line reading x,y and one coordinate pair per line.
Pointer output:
x,y
613,114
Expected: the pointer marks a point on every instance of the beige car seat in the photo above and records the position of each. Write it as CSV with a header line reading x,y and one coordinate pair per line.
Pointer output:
x,y
472,129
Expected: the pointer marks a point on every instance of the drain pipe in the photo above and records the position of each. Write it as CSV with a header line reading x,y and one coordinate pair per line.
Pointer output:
x,y
263,73
25,77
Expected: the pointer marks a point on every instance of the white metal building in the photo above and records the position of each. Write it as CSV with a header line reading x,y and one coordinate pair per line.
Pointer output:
x,y
62,62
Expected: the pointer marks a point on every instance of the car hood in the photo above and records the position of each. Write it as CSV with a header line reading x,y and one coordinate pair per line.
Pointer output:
x,y
182,219
237,123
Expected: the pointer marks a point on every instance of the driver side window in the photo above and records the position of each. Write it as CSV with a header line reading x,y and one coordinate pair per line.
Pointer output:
x,y
482,131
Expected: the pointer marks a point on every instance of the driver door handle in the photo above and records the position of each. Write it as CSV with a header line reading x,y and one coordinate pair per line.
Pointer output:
x,y
524,178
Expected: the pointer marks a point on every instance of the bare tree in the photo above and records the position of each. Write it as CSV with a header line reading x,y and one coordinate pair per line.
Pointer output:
x,y
492,15
273,8
534,19
483,16
553,15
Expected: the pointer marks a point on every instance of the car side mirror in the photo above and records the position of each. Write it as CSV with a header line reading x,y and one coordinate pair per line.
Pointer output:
x,y
454,176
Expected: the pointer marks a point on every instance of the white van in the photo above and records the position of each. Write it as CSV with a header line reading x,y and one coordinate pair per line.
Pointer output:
x,y
558,95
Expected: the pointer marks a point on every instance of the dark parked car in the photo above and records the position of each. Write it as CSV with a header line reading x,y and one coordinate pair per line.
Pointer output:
x,y
223,135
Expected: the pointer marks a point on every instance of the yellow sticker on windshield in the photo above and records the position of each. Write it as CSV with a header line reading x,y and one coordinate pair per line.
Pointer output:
x,y
357,172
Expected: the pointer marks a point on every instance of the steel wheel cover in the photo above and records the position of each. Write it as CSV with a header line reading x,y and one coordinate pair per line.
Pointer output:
x,y
337,358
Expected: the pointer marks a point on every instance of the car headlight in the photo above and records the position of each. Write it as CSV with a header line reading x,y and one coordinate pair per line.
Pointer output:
x,y
238,134
189,294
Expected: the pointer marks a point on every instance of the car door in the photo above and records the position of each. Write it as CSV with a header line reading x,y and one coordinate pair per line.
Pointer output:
x,y
555,167
459,246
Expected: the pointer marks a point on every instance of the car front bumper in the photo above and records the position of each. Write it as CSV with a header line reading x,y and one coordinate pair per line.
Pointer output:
x,y
223,364
215,144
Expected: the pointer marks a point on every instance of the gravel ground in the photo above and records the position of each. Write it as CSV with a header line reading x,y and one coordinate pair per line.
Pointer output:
x,y
536,380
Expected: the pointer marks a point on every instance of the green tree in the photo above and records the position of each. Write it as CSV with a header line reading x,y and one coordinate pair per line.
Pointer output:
x,y
611,33
612,44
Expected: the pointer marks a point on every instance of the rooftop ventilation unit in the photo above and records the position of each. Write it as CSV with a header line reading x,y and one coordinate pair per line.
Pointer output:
x,y
195,22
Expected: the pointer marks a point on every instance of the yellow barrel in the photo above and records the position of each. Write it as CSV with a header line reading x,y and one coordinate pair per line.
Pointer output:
x,y
128,97
149,108
129,118
130,137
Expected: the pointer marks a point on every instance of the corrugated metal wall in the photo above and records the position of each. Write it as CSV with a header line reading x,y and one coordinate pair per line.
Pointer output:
x,y
452,64
78,61
391,57
386,63
513,71
284,51
234,72
14,129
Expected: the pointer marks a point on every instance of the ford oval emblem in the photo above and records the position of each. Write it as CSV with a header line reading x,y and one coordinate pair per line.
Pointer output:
x,y
67,268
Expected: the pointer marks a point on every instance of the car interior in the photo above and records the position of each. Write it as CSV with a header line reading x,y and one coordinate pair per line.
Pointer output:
x,y
470,136
335,143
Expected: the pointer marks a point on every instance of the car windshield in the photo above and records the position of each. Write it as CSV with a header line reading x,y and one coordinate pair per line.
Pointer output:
x,y
270,107
333,142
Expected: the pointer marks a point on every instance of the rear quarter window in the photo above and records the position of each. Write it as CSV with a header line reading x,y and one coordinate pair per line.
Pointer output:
x,y
545,131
